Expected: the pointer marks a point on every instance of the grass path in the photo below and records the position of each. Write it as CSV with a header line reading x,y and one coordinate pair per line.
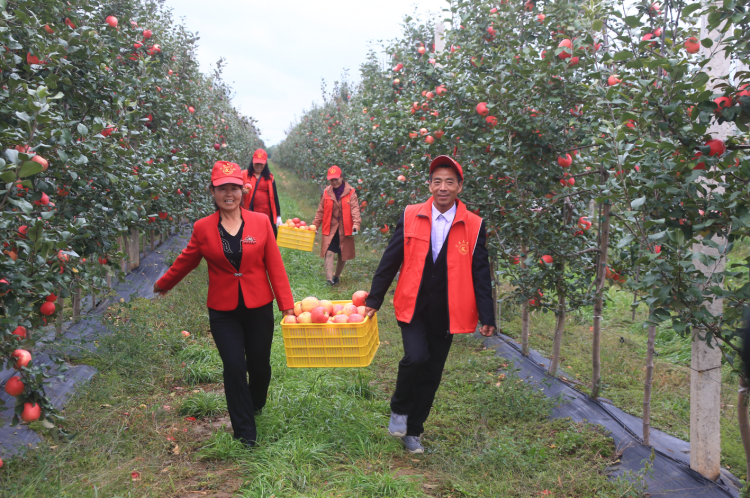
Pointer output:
x,y
153,422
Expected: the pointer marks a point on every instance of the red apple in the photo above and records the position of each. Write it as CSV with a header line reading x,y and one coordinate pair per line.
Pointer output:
x,y
359,297
289,319
722,102
338,309
185,333
574,61
439,134
51,298
565,44
319,315
42,161
692,46
717,147
491,121
147,34
340,318
356,318
566,161
482,109
421,50
349,309
361,310
47,309
112,21
546,259
20,332
297,309
613,80
217,146
304,317
22,357
14,386
31,412
163,215
429,139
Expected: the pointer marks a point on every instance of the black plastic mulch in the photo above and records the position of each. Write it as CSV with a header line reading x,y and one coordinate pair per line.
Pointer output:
x,y
83,334
670,474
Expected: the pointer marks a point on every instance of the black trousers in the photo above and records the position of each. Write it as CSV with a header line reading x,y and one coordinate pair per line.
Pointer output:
x,y
426,346
243,337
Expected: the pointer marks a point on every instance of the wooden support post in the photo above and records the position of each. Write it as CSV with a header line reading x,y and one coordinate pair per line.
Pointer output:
x,y
109,279
524,310
151,239
77,303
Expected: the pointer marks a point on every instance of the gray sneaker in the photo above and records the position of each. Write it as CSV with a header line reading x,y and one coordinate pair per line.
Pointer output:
x,y
397,425
412,444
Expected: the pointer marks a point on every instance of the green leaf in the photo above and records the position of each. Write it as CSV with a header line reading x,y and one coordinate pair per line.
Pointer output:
x,y
23,116
29,168
626,240
8,176
82,129
638,203
690,9
707,42
22,205
623,55
700,79
597,25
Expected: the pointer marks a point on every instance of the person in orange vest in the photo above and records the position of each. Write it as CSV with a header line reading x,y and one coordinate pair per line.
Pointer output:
x,y
444,288
339,220
260,191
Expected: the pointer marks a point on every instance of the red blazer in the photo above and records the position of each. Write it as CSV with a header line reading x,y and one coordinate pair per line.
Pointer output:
x,y
261,260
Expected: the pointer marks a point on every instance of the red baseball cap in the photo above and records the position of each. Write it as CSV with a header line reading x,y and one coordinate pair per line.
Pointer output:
x,y
225,172
260,156
447,161
334,172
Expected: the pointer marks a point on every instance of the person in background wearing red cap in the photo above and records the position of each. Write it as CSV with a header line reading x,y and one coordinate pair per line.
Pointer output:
x,y
260,191
242,257
339,220
444,288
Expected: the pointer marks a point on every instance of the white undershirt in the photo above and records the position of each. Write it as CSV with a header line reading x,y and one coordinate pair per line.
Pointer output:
x,y
441,225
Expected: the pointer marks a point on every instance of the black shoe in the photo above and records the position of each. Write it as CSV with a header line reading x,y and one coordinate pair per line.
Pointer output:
x,y
335,280
330,282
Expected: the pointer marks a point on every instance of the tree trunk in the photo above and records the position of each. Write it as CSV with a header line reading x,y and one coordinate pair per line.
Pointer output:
x,y
122,242
151,238
647,385
559,329
524,311
59,319
77,303
596,338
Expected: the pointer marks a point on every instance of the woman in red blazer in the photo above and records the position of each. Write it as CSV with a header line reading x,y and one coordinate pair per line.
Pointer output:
x,y
242,257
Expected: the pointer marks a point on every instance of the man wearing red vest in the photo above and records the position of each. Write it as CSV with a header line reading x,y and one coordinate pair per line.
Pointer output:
x,y
444,288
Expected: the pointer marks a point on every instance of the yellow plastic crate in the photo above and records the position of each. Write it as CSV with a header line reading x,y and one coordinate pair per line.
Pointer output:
x,y
310,345
293,238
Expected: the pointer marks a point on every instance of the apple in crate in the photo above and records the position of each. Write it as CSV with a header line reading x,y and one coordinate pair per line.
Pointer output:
x,y
350,309
328,305
289,319
340,318
310,303
356,318
304,317
361,310
337,309
358,298
319,315
297,309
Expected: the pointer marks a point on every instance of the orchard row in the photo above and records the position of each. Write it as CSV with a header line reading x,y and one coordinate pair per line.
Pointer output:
x,y
107,125
599,145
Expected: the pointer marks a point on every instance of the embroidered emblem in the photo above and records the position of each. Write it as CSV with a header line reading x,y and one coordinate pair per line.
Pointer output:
x,y
228,169
332,170
463,248
249,240
258,153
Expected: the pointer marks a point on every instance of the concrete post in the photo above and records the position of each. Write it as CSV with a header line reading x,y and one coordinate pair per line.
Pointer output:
x,y
77,303
439,36
123,244
59,318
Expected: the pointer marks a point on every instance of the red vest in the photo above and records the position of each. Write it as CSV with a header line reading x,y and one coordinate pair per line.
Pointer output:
x,y
346,213
249,177
461,240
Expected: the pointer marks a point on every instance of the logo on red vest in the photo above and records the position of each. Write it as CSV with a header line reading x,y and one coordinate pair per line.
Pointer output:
x,y
249,240
463,248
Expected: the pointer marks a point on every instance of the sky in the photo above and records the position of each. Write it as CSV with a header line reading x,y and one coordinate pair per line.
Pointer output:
x,y
278,51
